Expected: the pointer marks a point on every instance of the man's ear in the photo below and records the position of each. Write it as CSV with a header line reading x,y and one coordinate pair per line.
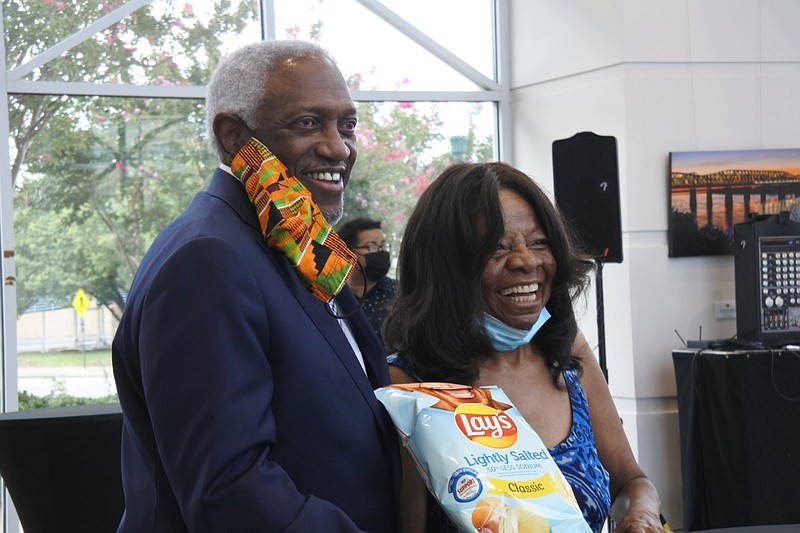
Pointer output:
x,y
230,135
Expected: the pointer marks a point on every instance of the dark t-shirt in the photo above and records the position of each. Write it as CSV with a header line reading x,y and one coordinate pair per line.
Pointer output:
x,y
377,303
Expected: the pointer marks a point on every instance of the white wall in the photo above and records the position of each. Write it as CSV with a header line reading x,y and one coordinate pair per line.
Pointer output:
x,y
660,76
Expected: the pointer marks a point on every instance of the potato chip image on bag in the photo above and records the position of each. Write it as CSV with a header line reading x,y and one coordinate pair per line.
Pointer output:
x,y
480,459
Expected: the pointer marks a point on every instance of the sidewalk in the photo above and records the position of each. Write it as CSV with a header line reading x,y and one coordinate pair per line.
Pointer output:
x,y
91,382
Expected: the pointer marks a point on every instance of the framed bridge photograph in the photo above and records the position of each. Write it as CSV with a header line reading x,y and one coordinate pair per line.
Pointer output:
x,y
710,192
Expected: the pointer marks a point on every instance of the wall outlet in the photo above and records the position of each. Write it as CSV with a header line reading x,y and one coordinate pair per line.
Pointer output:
x,y
725,310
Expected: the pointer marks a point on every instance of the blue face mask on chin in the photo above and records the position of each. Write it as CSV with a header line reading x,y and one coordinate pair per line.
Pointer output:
x,y
505,338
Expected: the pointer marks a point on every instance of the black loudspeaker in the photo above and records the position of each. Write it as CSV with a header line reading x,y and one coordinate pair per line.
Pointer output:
x,y
586,182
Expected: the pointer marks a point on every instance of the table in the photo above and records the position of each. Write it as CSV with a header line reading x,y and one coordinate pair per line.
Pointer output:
x,y
739,418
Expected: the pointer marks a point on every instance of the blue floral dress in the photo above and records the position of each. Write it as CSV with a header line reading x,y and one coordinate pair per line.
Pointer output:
x,y
576,457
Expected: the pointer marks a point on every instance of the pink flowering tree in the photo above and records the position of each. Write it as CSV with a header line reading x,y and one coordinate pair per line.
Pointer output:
x,y
400,152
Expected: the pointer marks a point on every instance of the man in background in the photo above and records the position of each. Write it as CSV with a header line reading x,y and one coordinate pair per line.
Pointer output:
x,y
244,372
364,236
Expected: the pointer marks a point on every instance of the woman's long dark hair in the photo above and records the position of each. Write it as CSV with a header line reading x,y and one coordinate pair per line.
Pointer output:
x,y
437,318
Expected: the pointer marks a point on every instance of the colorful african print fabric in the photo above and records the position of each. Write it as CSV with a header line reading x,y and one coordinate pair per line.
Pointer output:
x,y
292,223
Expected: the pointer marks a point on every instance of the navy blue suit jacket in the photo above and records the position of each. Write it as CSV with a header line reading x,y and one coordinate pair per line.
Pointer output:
x,y
245,408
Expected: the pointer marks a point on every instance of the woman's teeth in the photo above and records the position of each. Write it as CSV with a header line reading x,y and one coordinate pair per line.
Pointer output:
x,y
522,293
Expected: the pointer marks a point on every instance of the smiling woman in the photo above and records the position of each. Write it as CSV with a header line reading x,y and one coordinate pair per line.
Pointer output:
x,y
517,279
487,274
497,233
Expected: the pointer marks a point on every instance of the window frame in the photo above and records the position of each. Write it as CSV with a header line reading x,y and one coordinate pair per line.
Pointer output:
x,y
495,90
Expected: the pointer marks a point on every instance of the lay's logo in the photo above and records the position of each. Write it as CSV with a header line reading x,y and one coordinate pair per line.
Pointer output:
x,y
486,426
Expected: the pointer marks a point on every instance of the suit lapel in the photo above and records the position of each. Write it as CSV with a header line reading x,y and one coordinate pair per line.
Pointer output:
x,y
228,189
371,348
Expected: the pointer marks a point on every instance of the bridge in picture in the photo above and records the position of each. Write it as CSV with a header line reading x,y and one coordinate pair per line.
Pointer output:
x,y
759,185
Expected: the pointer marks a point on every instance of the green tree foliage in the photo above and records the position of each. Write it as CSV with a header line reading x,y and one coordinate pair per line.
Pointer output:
x,y
58,397
96,178
94,198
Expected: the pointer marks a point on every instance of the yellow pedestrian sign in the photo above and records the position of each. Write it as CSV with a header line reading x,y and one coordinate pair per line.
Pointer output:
x,y
80,302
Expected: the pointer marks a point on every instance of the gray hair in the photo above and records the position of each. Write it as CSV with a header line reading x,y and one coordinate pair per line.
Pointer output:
x,y
236,84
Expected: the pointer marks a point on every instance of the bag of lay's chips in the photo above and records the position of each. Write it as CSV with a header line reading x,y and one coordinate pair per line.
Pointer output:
x,y
483,463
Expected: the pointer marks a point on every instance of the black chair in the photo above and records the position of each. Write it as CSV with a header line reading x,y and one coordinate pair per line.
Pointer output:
x,y
62,467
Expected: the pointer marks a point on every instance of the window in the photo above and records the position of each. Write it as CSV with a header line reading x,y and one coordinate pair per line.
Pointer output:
x,y
105,116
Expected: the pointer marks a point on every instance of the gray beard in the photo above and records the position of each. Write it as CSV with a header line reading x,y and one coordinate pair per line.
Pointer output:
x,y
333,216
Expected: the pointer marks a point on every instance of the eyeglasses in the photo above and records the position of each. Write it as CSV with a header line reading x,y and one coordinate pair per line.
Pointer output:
x,y
373,247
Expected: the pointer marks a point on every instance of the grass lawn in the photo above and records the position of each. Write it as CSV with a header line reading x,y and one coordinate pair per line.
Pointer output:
x,y
72,358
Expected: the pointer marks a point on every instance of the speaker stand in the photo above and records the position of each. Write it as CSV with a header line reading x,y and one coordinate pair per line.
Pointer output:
x,y
601,329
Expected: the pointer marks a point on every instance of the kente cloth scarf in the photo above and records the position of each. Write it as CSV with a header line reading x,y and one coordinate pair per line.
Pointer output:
x,y
292,223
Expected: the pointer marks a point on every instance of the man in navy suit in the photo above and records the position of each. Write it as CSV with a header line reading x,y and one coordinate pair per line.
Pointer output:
x,y
248,405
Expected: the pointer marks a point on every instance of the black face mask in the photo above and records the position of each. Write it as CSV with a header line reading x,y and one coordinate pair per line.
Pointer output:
x,y
377,265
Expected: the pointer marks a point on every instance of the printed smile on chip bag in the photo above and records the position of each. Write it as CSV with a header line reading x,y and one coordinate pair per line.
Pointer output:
x,y
481,460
